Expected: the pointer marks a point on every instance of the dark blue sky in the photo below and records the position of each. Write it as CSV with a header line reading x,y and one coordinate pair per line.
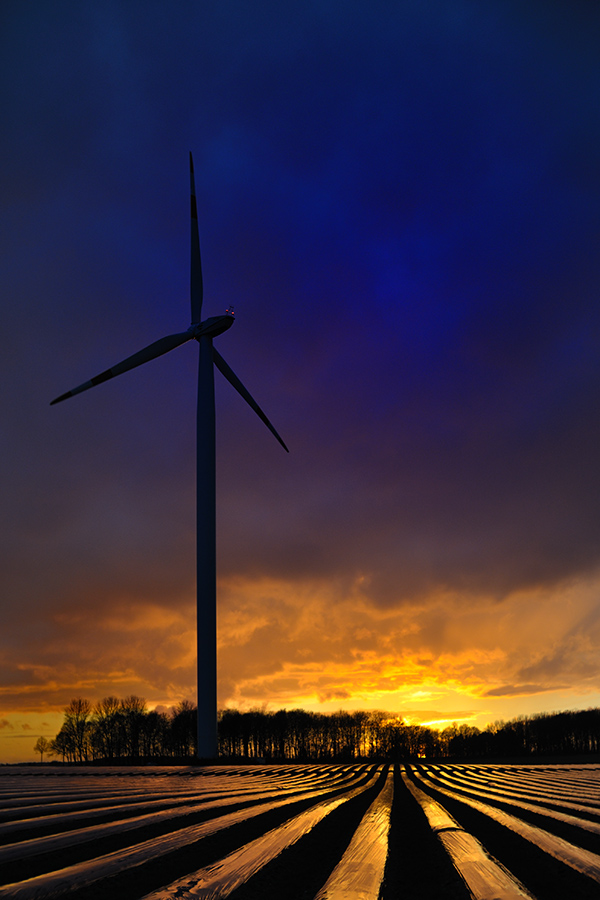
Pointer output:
x,y
402,202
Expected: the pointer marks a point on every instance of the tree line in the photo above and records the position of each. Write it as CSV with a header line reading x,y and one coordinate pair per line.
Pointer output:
x,y
123,729
300,735
117,730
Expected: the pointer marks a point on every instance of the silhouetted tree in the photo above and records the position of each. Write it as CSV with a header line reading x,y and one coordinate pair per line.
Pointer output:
x,y
156,735
124,728
184,724
76,729
43,745
60,745
131,716
106,731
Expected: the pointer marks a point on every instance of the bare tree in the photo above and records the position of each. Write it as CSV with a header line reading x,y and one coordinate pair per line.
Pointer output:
x,y
106,728
132,712
61,745
184,728
76,727
43,745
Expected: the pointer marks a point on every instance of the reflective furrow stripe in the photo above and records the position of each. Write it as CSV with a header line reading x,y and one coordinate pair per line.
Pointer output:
x,y
585,824
54,884
21,798
546,789
70,878
66,839
224,876
492,788
63,813
359,873
486,878
551,778
576,857
147,814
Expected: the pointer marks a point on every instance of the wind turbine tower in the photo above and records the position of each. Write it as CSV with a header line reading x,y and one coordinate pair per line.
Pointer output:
x,y
203,332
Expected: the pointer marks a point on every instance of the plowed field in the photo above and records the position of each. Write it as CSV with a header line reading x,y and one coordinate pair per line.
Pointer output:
x,y
301,831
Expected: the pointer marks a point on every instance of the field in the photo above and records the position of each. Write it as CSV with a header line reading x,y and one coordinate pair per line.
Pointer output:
x,y
415,831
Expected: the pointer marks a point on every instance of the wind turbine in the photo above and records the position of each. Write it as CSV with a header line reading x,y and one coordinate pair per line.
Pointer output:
x,y
203,332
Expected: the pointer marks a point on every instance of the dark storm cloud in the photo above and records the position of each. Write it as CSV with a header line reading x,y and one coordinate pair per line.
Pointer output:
x,y
520,690
457,386
402,203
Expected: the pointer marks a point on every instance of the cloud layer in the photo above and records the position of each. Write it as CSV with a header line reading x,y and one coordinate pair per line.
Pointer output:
x,y
403,205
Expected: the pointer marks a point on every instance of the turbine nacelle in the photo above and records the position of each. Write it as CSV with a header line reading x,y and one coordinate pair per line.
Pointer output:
x,y
205,462
211,327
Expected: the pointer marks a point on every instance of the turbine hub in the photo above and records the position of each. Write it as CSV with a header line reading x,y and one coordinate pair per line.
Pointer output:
x,y
211,327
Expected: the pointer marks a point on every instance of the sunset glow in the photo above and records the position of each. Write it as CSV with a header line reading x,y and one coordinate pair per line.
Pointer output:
x,y
433,662
403,205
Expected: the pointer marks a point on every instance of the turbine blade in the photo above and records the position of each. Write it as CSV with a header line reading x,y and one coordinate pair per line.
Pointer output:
x,y
151,352
237,384
196,290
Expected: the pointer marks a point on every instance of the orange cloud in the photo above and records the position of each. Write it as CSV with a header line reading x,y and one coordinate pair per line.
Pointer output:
x,y
314,645
323,645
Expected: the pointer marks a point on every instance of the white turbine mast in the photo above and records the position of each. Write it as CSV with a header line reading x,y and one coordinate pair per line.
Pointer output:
x,y
203,332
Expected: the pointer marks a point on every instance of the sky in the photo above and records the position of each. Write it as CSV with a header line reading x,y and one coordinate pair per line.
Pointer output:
x,y
402,202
